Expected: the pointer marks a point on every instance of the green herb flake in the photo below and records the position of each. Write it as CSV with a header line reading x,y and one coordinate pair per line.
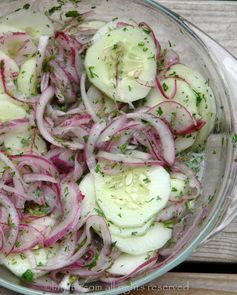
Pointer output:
x,y
165,87
123,148
52,10
26,6
168,224
28,275
92,72
85,138
146,180
234,138
174,190
72,13
159,111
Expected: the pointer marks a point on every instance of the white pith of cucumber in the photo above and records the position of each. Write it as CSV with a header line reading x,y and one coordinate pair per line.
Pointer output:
x,y
119,59
133,197
125,264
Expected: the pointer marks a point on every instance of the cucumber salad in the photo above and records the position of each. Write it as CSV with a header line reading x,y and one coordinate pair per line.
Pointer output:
x,y
99,127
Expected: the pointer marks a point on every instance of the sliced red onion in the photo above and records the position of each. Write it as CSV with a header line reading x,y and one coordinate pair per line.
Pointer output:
x,y
19,45
45,284
44,82
19,125
119,279
66,249
127,159
160,87
113,128
45,98
43,43
173,211
92,221
171,58
178,117
165,135
194,189
71,198
28,238
186,237
13,222
149,30
61,81
94,135
37,163
87,103
17,179
28,178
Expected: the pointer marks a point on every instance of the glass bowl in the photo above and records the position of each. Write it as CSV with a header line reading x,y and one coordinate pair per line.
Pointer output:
x,y
203,54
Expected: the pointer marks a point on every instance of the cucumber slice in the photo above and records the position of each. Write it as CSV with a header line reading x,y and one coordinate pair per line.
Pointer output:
x,y
204,98
26,80
125,264
10,109
129,231
155,238
17,143
110,26
184,95
178,189
87,188
118,60
35,24
18,264
6,28
131,198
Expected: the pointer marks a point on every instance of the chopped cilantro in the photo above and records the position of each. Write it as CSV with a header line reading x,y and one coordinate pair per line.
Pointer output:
x,y
28,275
146,180
165,87
54,9
159,111
26,6
234,138
123,148
72,13
174,189
92,73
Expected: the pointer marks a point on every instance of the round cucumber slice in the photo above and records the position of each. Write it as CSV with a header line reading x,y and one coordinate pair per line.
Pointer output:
x,y
35,24
155,238
26,80
131,198
204,98
117,62
10,109
126,264
87,188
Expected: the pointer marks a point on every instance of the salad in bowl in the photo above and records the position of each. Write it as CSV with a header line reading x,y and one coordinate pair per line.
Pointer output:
x,y
102,133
